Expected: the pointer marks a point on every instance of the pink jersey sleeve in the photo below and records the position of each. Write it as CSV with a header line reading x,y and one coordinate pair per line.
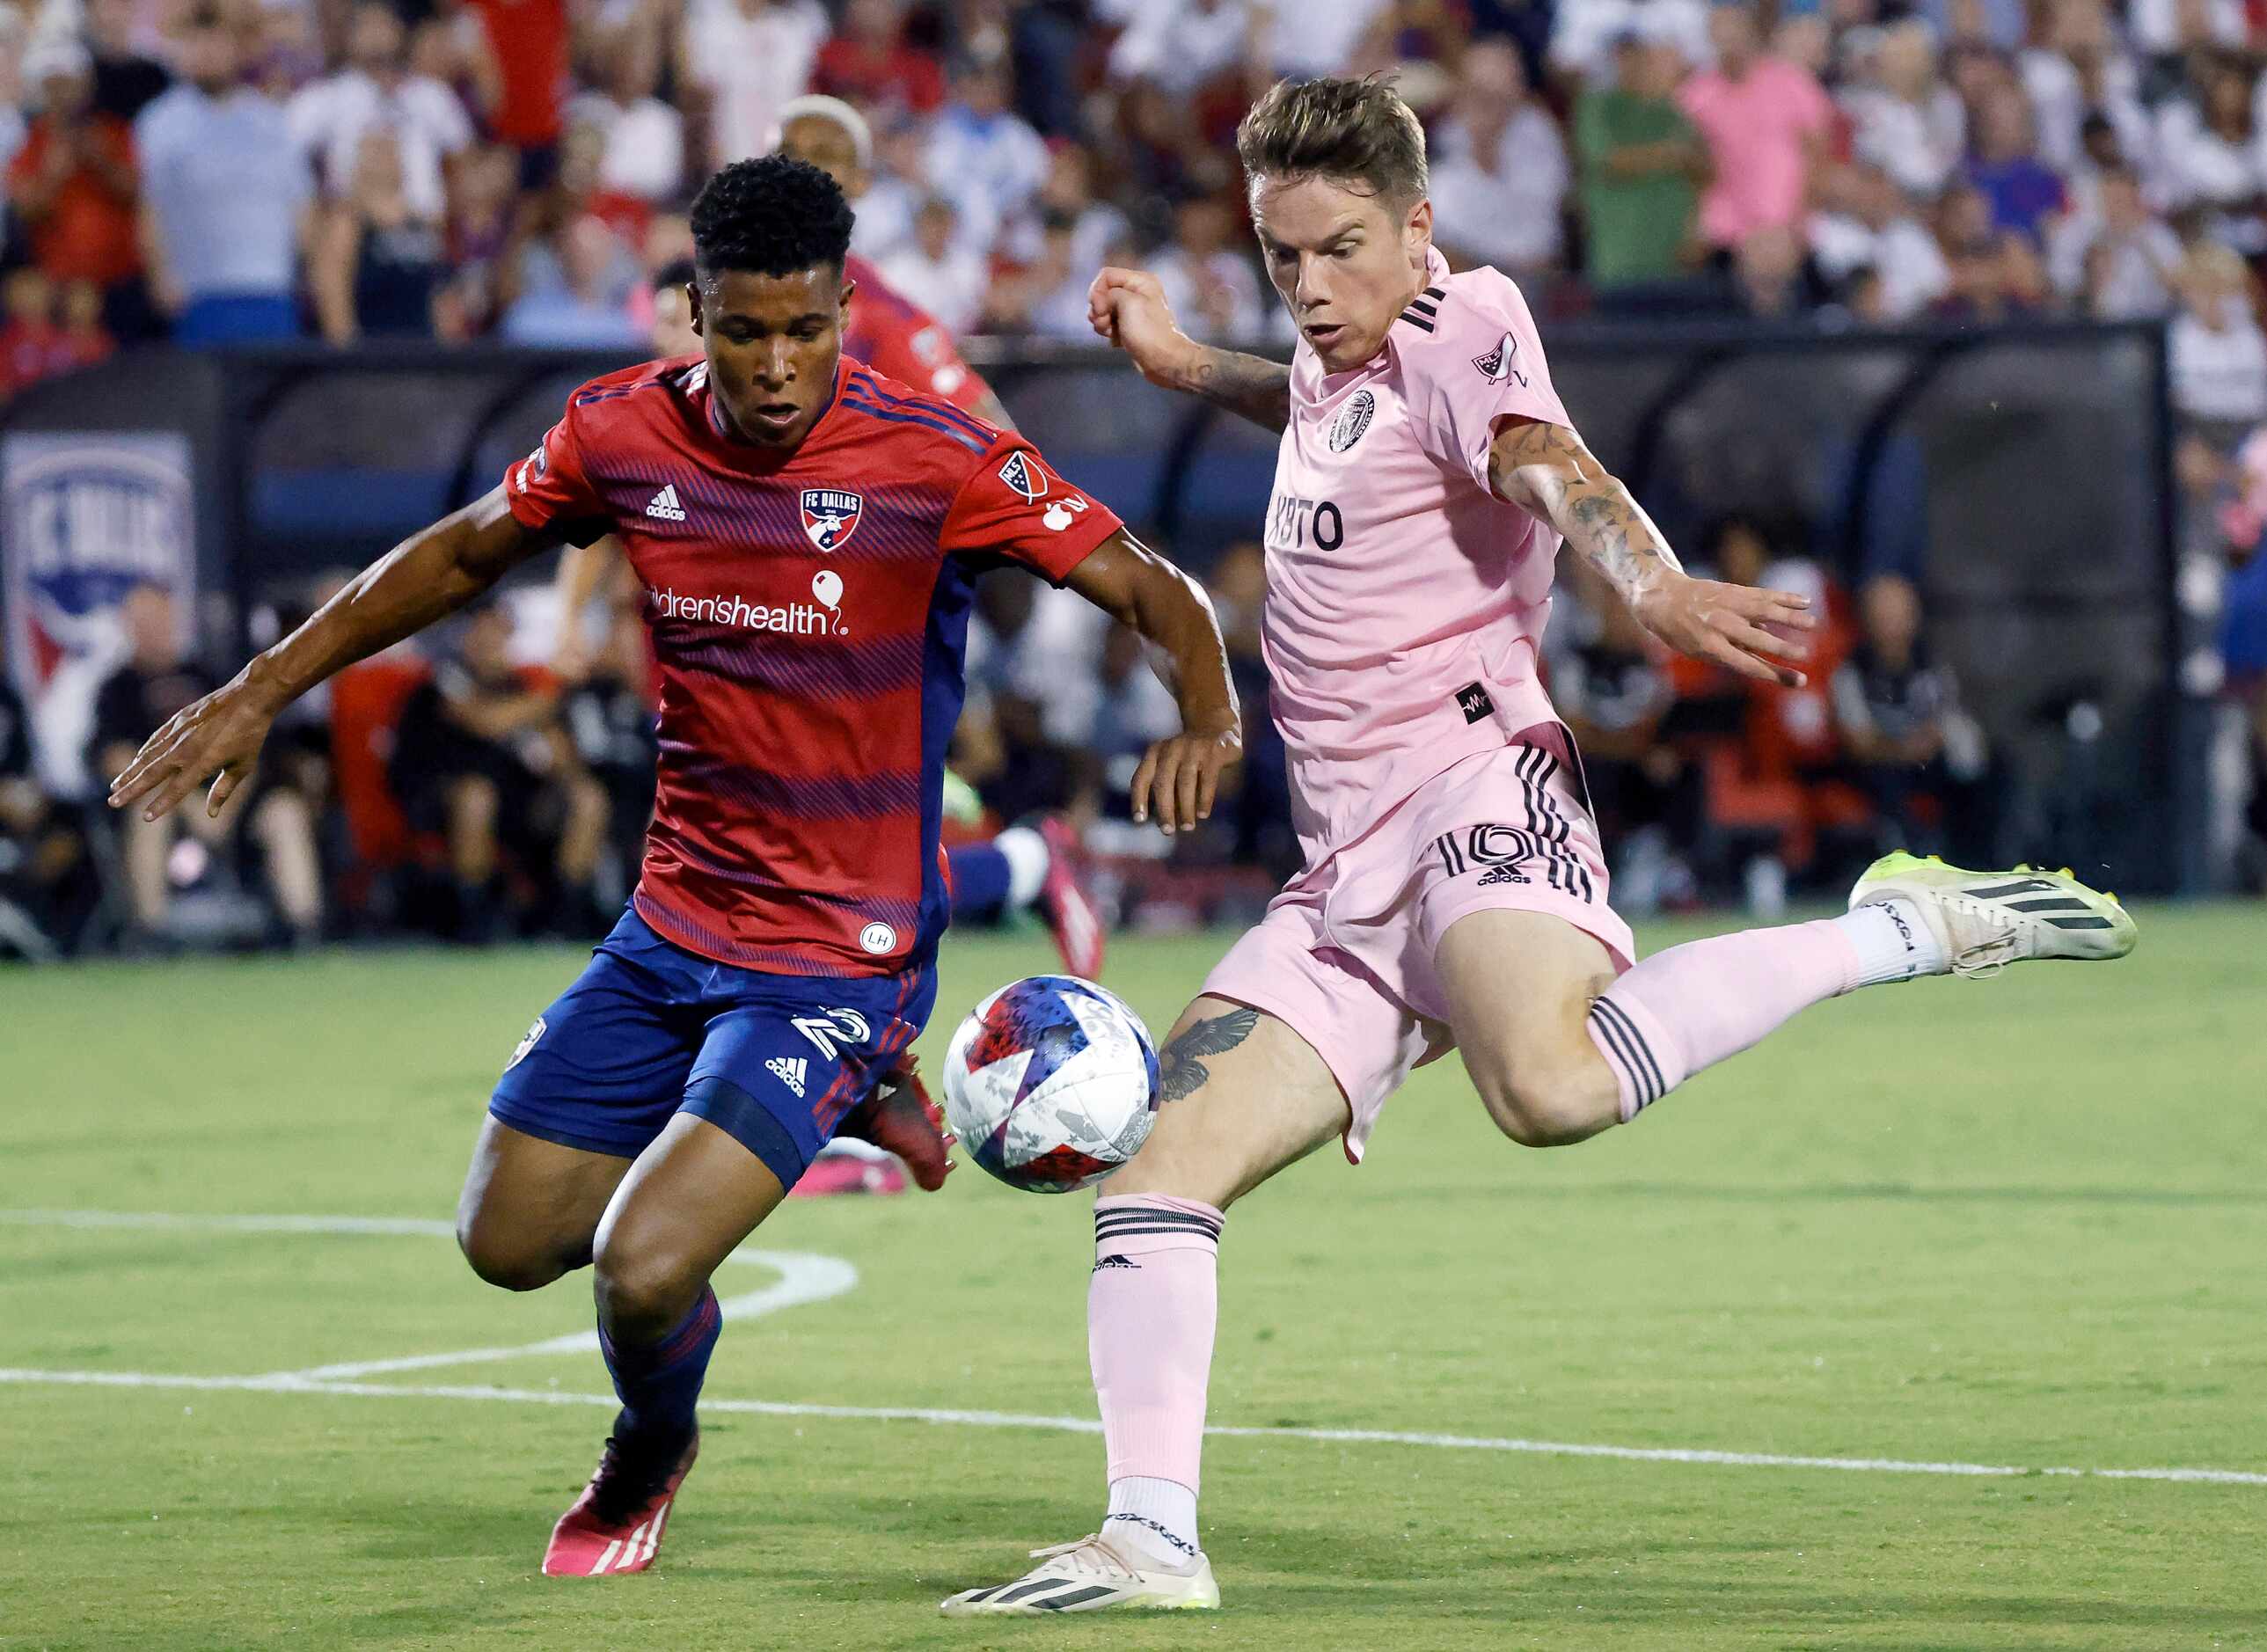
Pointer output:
x,y
549,491
1481,361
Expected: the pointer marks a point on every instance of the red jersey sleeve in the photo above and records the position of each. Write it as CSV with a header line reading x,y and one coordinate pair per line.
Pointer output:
x,y
917,350
1014,505
550,492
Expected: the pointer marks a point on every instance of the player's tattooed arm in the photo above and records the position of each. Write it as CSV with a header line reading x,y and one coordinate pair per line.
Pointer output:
x,y
1547,471
1128,307
1251,386
430,573
1170,611
1181,1070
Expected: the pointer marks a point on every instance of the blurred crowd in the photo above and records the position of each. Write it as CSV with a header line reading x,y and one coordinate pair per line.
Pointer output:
x,y
454,171
494,778
461,169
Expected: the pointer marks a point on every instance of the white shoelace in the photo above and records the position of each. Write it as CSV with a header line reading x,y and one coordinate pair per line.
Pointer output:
x,y
1981,960
1092,1554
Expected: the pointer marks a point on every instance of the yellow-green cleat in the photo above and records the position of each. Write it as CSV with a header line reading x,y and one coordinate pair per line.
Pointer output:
x,y
1987,920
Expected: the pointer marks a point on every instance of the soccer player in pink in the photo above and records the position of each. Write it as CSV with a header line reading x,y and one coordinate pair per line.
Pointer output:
x,y
807,533
1454,891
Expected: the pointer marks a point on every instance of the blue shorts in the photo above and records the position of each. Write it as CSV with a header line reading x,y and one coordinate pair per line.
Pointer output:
x,y
648,1030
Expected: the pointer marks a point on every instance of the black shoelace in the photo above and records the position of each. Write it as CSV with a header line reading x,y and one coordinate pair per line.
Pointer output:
x,y
628,1478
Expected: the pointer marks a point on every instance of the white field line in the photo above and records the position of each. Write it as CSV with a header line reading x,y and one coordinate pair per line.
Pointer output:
x,y
289,1384
804,1277
314,1382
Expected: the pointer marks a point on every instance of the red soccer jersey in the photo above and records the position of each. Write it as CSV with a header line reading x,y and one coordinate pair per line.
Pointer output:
x,y
898,339
809,614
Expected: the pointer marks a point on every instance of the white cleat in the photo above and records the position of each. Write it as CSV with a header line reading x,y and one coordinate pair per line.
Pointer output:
x,y
1987,920
1091,1574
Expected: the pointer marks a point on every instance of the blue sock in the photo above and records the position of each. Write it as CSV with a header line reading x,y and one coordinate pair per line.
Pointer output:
x,y
660,1382
980,878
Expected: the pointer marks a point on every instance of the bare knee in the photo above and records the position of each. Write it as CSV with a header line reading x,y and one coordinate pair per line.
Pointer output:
x,y
512,1262
644,1291
1546,1103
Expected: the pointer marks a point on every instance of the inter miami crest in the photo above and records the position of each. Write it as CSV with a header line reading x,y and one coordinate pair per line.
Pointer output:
x,y
1347,429
1019,474
1497,365
830,516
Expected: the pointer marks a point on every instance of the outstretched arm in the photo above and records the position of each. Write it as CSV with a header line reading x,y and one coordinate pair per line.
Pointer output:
x,y
1137,587
1547,470
428,575
1127,307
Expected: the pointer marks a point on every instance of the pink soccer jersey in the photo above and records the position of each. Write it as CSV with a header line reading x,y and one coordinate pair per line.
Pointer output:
x,y
1405,601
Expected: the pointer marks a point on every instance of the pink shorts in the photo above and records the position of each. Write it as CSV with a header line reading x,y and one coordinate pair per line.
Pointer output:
x,y
1345,955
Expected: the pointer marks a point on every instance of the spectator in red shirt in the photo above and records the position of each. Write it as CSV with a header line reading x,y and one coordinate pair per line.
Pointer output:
x,y
892,336
73,184
870,63
526,81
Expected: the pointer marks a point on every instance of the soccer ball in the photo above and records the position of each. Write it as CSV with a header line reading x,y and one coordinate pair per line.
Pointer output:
x,y
1051,1084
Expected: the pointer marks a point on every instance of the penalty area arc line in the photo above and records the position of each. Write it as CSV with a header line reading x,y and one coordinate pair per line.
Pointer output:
x,y
804,1276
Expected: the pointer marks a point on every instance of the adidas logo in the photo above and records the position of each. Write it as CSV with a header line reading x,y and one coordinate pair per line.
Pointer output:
x,y
664,505
1117,1261
1504,874
791,1070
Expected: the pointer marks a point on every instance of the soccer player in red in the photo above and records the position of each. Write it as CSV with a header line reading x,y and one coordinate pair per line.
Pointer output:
x,y
1036,865
806,532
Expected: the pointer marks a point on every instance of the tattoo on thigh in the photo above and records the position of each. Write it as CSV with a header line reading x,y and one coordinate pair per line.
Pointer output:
x,y
1179,1072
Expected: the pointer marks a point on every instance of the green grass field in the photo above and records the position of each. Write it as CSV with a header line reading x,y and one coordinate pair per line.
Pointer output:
x,y
2016,1224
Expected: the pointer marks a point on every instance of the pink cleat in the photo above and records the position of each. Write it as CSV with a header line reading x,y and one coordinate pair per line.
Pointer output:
x,y
850,1172
615,1526
900,1118
1069,909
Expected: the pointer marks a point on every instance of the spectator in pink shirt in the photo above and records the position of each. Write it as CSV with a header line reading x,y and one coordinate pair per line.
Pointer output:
x,y
1765,121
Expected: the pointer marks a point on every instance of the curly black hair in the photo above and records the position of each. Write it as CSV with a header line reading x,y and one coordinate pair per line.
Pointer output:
x,y
772,217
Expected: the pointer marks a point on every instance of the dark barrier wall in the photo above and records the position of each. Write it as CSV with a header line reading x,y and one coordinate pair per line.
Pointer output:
x,y
2020,477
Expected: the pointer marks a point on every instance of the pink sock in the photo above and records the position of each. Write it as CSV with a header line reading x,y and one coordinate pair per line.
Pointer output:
x,y
1150,1310
1692,1005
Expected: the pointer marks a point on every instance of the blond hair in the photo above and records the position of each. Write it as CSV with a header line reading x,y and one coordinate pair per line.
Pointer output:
x,y
1349,131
